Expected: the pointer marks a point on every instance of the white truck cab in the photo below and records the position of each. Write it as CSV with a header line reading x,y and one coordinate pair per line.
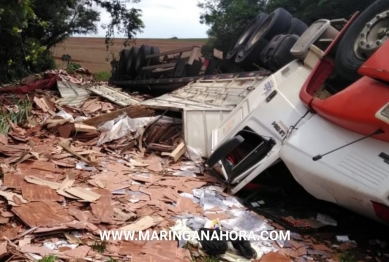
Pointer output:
x,y
282,128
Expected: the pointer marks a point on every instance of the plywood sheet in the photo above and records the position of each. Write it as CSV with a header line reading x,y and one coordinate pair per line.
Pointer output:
x,y
46,166
78,252
102,209
41,214
38,193
14,181
129,248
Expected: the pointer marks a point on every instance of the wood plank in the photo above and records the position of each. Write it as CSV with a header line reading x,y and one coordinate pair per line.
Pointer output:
x,y
79,127
67,148
83,194
131,111
177,152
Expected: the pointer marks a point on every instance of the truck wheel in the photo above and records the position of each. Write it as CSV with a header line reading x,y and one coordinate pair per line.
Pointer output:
x,y
297,27
278,22
144,51
123,60
154,60
368,32
246,58
254,24
132,61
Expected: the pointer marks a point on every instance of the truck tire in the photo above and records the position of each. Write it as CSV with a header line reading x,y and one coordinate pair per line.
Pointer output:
x,y
254,24
144,51
353,50
123,60
154,60
247,58
132,61
276,23
297,27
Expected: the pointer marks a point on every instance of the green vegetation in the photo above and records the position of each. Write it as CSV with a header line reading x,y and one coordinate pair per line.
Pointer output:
x,y
102,76
50,258
211,259
30,28
100,246
348,257
17,114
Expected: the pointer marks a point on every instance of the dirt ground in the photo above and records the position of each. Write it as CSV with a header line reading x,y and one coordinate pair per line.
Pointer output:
x,y
91,53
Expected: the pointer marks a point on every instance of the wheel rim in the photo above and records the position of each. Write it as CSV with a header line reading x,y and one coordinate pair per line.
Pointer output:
x,y
259,34
372,36
246,34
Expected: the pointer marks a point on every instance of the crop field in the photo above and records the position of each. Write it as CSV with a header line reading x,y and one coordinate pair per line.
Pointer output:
x,y
91,52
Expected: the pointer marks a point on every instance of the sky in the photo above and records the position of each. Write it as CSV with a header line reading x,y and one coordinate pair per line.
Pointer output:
x,y
165,19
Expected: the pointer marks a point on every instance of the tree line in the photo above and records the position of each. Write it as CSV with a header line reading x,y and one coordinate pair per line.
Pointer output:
x,y
30,28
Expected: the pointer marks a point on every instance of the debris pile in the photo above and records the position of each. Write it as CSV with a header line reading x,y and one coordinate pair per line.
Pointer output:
x,y
72,173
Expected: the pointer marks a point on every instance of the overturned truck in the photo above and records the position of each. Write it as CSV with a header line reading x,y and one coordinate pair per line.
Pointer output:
x,y
330,126
320,106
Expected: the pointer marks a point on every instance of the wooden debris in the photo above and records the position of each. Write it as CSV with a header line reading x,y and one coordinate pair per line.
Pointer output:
x,y
46,166
40,193
78,252
82,193
42,182
25,241
178,152
12,197
272,257
51,123
102,209
160,147
67,148
41,214
79,127
132,111
143,224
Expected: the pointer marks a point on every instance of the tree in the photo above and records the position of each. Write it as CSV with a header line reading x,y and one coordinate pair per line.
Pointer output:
x,y
311,10
29,28
227,20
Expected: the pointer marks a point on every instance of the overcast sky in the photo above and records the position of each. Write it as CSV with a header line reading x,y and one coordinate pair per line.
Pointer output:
x,y
166,18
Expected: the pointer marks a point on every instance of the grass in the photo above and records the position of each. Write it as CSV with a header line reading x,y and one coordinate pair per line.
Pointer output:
x,y
348,257
102,76
100,246
50,258
23,110
211,259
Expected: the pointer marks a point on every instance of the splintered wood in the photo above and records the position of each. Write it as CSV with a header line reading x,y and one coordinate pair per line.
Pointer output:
x,y
164,138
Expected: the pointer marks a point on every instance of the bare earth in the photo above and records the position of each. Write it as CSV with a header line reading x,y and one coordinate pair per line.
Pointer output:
x,y
91,52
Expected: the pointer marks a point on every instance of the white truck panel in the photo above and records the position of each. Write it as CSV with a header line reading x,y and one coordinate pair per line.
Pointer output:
x,y
292,76
351,177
